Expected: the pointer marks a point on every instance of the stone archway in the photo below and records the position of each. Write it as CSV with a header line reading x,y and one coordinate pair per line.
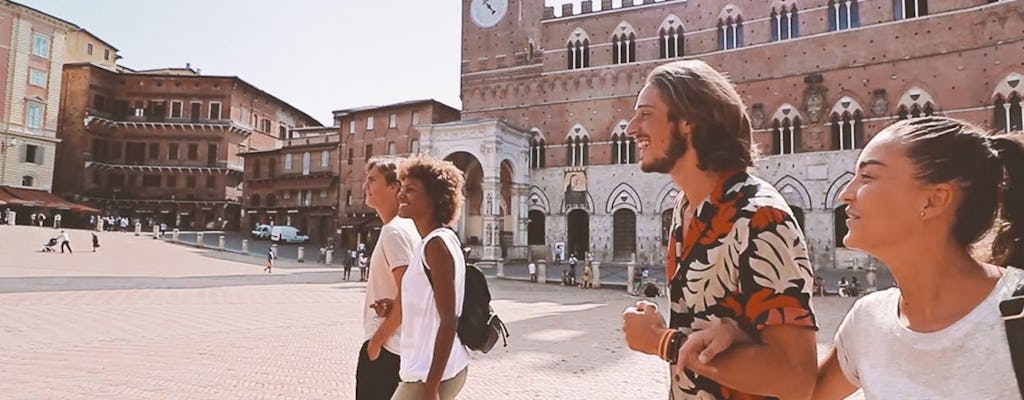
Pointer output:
x,y
495,158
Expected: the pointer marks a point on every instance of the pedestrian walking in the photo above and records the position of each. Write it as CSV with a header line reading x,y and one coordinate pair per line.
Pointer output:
x,y
743,266
434,360
364,271
65,241
377,373
270,260
349,260
57,218
532,268
95,242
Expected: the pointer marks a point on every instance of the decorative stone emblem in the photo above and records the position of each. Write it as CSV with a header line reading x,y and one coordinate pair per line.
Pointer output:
x,y
814,102
757,115
879,104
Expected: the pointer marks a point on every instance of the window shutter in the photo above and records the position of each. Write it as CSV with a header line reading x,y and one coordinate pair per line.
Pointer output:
x,y
40,155
24,153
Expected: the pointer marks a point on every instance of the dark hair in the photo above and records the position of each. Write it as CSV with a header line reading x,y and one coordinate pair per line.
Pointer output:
x,y
442,181
387,166
700,95
989,171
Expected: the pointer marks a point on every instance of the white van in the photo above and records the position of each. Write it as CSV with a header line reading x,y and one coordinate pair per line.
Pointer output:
x,y
287,234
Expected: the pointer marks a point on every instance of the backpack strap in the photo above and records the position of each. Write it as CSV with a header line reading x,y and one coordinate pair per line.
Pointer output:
x,y
1012,310
424,263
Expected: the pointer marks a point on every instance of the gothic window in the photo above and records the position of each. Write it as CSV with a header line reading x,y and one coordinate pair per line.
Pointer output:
x,y
1008,114
784,23
843,14
670,38
847,131
537,152
578,50
577,147
623,145
624,44
786,136
915,103
730,33
847,125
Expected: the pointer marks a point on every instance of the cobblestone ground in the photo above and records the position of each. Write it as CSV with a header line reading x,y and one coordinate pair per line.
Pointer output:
x,y
143,319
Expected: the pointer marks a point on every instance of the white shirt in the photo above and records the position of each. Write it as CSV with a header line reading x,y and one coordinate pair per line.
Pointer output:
x,y
64,238
532,267
967,360
394,249
420,320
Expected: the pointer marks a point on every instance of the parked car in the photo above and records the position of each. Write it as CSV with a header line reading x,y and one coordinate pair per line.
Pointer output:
x,y
262,232
287,234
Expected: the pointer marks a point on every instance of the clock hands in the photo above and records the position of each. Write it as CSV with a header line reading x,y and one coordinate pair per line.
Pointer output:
x,y
488,4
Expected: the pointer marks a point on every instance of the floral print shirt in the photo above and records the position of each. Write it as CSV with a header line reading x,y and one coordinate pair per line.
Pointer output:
x,y
743,257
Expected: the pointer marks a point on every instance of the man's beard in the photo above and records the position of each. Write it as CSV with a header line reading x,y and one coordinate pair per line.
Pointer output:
x,y
677,147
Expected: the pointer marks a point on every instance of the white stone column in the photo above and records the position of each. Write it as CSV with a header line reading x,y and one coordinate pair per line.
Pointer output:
x,y
1006,108
491,220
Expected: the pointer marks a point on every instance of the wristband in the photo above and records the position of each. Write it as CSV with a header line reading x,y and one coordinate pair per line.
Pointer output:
x,y
674,343
663,343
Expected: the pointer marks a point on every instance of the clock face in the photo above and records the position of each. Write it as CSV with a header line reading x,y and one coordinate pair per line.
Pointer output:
x,y
487,13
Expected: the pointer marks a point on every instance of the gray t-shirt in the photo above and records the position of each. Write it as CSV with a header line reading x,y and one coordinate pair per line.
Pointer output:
x,y
967,360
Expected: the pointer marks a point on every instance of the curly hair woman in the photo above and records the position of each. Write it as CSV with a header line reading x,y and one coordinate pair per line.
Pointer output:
x,y
434,360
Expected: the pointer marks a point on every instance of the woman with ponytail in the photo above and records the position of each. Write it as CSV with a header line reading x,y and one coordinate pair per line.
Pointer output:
x,y
942,204
929,196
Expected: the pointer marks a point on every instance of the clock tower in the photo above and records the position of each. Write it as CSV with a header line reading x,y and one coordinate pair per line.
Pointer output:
x,y
498,35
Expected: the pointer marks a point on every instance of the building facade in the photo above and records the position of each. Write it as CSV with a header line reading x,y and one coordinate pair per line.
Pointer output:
x,y
296,184
164,145
820,78
84,47
31,55
364,132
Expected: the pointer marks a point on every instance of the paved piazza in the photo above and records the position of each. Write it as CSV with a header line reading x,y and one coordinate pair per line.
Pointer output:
x,y
144,319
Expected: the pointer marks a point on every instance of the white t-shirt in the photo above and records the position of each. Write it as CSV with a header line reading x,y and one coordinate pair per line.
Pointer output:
x,y
420,320
532,267
394,248
967,360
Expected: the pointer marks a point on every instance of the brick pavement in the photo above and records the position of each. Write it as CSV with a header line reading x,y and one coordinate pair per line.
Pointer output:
x,y
143,319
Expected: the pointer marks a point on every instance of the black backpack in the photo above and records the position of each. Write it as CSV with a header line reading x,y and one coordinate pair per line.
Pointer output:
x,y
479,328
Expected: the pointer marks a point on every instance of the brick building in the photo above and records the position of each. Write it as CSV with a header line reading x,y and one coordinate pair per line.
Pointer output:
x,y
296,184
31,55
393,129
164,144
820,77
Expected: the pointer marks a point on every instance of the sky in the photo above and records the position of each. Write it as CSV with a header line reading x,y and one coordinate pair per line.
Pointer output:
x,y
318,56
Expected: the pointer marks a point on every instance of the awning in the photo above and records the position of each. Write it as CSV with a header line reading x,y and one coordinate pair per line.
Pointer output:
x,y
38,198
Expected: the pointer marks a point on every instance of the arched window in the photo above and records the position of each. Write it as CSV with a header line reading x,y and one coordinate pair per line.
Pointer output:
x,y
623,146
903,9
272,167
843,14
1008,115
578,50
915,103
577,147
666,226
730,33
670,38
271,200
254,201
624,44
786,136
535,231
537,152
847,125
847,131
27,181
785,24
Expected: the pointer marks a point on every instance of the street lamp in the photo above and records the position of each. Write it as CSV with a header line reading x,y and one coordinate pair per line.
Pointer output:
x,y
4,145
